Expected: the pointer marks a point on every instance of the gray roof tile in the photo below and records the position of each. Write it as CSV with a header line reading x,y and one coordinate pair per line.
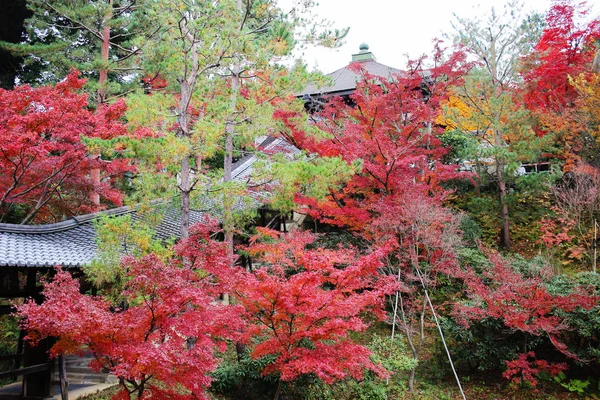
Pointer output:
x,y
71,243
345,79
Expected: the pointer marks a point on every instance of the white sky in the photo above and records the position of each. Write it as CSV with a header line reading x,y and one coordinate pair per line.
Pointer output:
x,y
394,28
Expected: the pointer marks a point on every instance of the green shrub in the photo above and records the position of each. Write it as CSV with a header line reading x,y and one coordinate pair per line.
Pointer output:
x,y
572,385
243,379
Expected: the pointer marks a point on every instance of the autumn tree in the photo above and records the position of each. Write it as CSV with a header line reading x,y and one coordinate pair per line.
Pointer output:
x,y
519,304
220,65
164,341
303,303
564,51
428,237
387,135
487,106
44,163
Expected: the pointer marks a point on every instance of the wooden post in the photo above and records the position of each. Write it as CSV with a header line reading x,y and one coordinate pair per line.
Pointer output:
x,y
20,342
37,384
62,375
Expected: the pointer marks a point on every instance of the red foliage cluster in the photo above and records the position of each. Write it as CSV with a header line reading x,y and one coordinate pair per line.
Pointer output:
x,y
390,130
556,231
526,368
522,303
44,165
564,50
300,307
168,331
302,304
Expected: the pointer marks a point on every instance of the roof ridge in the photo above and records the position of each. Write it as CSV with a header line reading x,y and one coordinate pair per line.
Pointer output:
x,y
70,223
33,229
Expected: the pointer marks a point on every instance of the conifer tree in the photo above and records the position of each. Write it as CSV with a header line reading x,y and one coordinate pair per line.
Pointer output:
x,y
492,110
94,37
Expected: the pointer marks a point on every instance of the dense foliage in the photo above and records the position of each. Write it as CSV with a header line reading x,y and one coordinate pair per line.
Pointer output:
x,y
457,203
45,165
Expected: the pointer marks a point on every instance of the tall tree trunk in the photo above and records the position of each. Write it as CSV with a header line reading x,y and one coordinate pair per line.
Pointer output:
x,y
185,189
502,192
187,82
504,217
228,162
185,184
228,224
101,94
103,78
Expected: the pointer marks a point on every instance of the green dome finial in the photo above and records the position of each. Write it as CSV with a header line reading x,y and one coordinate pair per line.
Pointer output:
x,y
364,47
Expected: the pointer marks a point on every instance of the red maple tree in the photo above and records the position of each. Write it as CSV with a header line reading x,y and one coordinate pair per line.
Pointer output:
x,y
44,164
163,343
526,369
522,303
564,51
302,305
388,128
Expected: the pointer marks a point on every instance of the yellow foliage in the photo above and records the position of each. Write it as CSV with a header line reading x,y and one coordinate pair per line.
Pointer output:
x,y
455,112
588,87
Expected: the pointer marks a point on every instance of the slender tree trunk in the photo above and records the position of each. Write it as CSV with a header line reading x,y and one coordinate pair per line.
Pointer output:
x,y
185,188
228,162
103,78
502,192
228,227
394,317
504,230
101,94
185,174
278,391
415,348
477,179
411,380
187,82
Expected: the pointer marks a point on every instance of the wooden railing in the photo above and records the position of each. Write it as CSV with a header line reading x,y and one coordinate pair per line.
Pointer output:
x,y
32,369
26,370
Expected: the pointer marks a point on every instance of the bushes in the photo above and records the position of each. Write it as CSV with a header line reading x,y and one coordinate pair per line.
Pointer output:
x,y
516,306
244,379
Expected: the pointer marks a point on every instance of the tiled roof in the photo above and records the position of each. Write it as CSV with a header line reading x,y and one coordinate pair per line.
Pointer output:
x,y
242,169
344,79
71,243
